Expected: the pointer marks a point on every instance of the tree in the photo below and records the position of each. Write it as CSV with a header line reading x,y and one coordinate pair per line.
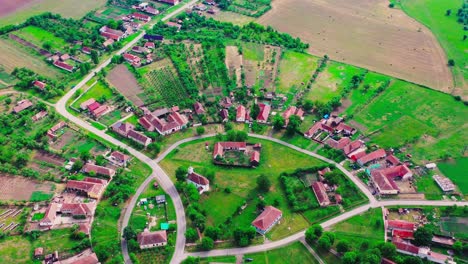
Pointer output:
x,y
448,12
190,260
129,233
451,62
200,130
308,105
207,243
293,125
278,122
423,236
387,249
181,174
47,45
100,160
313,233
85,156
212,232
412,260
350,258
263,183
191,235
324,243
458,247
94,56
331,237
343,246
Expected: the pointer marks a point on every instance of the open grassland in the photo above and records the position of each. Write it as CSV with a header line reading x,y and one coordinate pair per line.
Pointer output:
x,y
456,170
448,32
364,227
295,70
97,91
332,81
295,253
221,259
14,11
242,182
39,36
15,249
365,33
12,55
431,124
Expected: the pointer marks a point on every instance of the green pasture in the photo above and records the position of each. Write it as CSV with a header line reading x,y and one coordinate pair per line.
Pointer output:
x,y
294,253
39,37
295,70
456,170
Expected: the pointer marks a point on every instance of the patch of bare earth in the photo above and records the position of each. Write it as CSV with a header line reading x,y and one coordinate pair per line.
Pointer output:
x,y
365,33
124,81
8,7
234,63
20,188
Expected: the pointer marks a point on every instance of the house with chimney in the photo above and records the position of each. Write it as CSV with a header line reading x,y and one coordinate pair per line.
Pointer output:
x,y
201,183
267,219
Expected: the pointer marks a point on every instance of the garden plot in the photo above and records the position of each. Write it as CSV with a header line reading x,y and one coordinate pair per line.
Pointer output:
x,y
124,81
295,71
234,63
21,188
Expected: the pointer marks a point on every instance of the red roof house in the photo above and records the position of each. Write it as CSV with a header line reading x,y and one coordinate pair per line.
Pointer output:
x,y
202,183
199,108
240,113
255,158
384,179
139,137
171,2
141,17
40,85
340,144
400,225
352,147
373,156
264,113
405,247
292,110
321,193
22,105
119,158
149,45
100,170
403,234
267,219
221,147
64,66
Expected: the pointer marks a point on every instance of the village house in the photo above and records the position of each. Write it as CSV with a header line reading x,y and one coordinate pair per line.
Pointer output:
x,y
340,144
132,59
240,114
77,210
353,148
139,138
202,183
119,159
224,114
199,7
173,123
149,45
38,252
392,160
91,187
175,25
148,239
344,129
64,66
141,17
82,258
99,111
255,158
371,157
267,219
226,102
87,103
171,2
65,57
151,10
86,50
40,85
140,50
407,248
52,132
122,128
98,170
317,129
321,194
221,147
113,34
22,105
292,110
264,113
384,179
321,173
400,225
49,216
39,116
108,42
198,107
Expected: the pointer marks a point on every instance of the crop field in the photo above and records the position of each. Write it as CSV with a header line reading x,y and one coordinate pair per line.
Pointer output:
x,y
242,183
39,36
295,70
14,55
124,81
449,33
294,253
17,11
21,188
253,8
332,81
367,34
163,86
431,124
456,171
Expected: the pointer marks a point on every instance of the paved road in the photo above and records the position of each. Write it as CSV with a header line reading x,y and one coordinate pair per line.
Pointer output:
x,y
163,179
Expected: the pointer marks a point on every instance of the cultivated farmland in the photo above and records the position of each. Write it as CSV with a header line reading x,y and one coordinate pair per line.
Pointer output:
x,y
21,188
124,81
365,33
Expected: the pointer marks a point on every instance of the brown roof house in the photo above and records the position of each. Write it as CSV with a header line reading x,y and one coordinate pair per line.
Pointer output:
x,y
119,159
99,170
267,219
202,183
22,105
321,193
92,187
148,239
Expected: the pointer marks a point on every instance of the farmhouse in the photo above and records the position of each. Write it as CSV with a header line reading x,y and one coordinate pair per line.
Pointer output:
x,y
50,215
151,10
321,193
99,111
82,258
99,170
148,239
108,42
87,103
340,144
267,219
255,158
38,252
240,114
202,183
392,160
139,49
119,159
226,102
199,110
175,25
400,225
200,7
171,2
224,114
371,157
319,127
39,116
86,50
421,252
321,173
77,210
65,57
292,110
22,105
403,234
345,129
139,137
122,128
264,113
40,85
384,179
221,147
444,183
113,34
354,147
64,66
141,17
173,123
92,187
153,37
132,59
52,132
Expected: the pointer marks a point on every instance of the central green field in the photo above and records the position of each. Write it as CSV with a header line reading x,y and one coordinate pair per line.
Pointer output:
x,y
39,37
295,70
456,171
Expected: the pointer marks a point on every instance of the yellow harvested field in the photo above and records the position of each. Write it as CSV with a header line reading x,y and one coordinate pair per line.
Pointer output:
x,y
366,33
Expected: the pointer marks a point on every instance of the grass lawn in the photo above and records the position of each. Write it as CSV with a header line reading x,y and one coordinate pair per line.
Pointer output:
x,y
242,182
295,253
221,259
99,90
447,30
37,216
432,123
98,125
429,187
365,227
252,51
39,36
294,69
15,249
456,171
331,81
40,196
